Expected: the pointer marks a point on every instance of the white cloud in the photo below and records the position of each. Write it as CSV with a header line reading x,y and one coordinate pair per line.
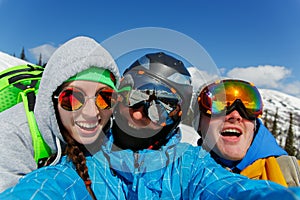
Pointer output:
x,y
222,70
262,76
267,76
292,88
45,50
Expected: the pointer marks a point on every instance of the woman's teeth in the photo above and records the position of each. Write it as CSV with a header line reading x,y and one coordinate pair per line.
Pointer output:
x,y
87,125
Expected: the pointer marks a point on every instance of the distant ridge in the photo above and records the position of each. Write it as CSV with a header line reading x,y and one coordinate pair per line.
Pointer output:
x,y
7,61
286,104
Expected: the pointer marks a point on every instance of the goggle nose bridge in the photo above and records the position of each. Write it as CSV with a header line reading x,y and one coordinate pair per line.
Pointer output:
x,y
239,106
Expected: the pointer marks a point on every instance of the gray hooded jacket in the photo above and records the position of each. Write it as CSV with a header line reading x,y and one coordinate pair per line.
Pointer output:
x,y
17,155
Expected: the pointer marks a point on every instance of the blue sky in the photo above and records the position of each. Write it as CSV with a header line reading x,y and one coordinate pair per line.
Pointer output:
x,y
257,40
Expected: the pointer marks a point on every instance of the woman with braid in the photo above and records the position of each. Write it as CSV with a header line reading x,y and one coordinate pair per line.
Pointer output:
x,y
77,92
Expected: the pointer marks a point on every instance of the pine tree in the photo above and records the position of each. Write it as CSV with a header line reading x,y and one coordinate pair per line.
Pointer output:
x,y
280,142
265,119
22,56
289,142
298,149
274,127
40,63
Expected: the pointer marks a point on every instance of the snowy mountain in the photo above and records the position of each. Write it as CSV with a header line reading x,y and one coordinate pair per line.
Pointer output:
x,y
285,104
7,61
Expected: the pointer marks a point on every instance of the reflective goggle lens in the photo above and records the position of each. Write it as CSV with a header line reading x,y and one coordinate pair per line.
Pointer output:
x,y
72,99
217,98
159,101
106,98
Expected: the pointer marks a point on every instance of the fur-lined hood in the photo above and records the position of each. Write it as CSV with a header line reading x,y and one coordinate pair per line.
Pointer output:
x,y
69,59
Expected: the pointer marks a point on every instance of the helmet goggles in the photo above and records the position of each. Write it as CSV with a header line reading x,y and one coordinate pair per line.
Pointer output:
x,y
221,98
160,103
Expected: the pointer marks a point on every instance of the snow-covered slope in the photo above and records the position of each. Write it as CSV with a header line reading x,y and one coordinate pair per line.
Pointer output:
x,y
285,104
7,61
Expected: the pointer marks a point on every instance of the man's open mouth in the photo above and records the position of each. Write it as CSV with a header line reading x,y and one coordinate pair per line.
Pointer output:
x,y
231,132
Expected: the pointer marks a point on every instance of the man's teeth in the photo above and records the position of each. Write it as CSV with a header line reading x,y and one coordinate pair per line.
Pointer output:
x,y
231,131
87,125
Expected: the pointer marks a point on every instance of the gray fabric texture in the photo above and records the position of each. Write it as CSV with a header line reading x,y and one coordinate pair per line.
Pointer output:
x,y
16,148
290,169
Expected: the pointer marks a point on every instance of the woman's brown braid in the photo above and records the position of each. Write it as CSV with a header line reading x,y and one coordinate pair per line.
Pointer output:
x,y
75,152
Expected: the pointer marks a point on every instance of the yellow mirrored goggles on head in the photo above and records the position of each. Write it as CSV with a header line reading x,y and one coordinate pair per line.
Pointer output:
x,y
222,97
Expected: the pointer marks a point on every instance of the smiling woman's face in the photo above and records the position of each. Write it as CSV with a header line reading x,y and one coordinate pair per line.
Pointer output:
x,y
85,124
229,137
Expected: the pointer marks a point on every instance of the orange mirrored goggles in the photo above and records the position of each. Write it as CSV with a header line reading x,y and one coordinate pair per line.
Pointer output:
x,y
222,97
72,99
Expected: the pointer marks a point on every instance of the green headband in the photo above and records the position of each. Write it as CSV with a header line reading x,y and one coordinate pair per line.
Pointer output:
x,y
95,74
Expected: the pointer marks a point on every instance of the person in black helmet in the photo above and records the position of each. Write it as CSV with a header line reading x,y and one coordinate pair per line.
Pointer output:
x,y
159,96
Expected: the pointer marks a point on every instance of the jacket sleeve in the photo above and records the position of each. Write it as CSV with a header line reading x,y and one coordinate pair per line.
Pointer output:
x,y
16,153
54,182
211,181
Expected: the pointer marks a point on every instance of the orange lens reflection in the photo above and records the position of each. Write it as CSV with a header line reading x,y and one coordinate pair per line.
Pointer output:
x,y
105,99
72,99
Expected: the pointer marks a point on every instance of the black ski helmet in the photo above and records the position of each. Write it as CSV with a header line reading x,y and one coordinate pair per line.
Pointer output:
x,y
170,84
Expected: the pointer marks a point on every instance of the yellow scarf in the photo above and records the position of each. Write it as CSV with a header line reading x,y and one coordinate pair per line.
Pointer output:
x,y
265,169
